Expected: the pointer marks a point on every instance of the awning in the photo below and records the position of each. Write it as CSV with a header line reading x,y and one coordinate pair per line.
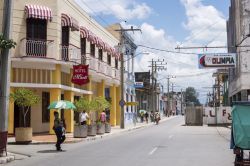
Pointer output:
x,y
84,32
39,12
92,38
100,43
67,20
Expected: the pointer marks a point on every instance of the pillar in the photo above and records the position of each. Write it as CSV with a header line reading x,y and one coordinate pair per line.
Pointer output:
x,y
118,108
101,88
69,114
11,115
89,88
55,95
113,105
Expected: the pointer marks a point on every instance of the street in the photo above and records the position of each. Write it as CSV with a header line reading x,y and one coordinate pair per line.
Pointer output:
x,y
169,143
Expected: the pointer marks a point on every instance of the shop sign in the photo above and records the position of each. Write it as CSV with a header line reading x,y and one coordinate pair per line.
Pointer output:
x,y
80,74
138,84
216,60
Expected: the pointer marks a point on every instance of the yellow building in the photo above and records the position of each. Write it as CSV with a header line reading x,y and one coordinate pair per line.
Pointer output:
x,y
52,36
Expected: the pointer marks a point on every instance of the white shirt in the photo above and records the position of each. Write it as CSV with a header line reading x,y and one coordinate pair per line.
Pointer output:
x,y
83,116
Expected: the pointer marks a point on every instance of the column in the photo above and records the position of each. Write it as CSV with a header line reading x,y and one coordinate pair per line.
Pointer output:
x,y
118,107
55,95
69,114
11,115
113,105
101,88
89,88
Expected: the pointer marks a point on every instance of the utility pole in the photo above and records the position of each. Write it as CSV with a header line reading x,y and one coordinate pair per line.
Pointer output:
x,y
122,44
181,102
5,70
156,65
168,96
172,98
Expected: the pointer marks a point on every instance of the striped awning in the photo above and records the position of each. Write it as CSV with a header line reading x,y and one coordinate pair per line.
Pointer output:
x,y
84,32
67,20
39,12
92,38
100,43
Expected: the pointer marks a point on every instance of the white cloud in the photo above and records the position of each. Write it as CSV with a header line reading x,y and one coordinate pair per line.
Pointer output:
x,y
121,9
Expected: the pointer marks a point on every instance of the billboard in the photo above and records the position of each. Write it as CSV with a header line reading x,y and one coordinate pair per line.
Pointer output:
x,y
216,60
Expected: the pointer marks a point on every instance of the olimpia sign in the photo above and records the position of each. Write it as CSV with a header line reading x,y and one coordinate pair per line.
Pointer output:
x,y
216,60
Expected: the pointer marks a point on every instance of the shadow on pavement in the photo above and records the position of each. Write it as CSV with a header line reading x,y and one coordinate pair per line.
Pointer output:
x,y
50,151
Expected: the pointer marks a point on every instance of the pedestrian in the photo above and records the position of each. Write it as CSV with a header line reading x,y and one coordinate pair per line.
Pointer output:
x,y
152,116
59,130
103,117
83,117
146,117
157,117
134,118
142,116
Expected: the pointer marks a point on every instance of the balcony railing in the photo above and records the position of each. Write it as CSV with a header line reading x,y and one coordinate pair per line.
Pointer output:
x,y
102,67
117,74
109,70
93,63
71,53
37,48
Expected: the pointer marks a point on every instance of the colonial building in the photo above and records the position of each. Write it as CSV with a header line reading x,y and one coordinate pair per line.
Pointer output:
x,y
128,48
52,36
237,36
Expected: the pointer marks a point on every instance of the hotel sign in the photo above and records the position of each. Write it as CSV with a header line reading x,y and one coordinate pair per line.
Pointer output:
x,y
216,60
80,74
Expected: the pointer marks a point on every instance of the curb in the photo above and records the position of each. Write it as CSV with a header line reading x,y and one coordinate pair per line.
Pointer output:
x,y
98,136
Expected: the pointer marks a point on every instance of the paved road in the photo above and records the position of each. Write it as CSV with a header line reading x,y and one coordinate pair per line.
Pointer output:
x,y
169,143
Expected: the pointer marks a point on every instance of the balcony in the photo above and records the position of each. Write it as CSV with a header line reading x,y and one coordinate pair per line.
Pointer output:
x,y
102,68
70,53
93,63
37,48
117,74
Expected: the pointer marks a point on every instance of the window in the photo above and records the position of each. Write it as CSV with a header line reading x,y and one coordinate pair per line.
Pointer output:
x,y
83,50
116,63
65,36
109,59
36,29
100,54
92,50
65,43
45,104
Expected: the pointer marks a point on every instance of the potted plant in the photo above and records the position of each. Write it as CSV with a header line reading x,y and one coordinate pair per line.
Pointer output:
x,y
24,98
81,131
101,105
107,123
92,120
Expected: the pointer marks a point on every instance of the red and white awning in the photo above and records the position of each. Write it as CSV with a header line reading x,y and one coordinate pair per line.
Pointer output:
x,y
39,12
84,32
67,20
92,38
100,43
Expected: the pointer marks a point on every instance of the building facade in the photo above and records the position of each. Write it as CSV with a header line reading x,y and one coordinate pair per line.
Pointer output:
x,y
237,36
128,49
52,36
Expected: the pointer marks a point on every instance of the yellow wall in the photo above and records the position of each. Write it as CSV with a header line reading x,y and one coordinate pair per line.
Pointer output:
x,y
11,115
55,95
118,108
69,114
101,88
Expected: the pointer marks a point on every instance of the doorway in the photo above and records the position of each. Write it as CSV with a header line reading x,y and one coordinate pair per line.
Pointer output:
x,y
18,117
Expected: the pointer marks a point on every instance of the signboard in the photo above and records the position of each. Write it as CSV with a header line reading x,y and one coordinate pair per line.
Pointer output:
x,y
80,74
216,60
138,84
131,103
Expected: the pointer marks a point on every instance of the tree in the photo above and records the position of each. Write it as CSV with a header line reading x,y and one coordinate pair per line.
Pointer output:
x,y
24,98
6,44
192,96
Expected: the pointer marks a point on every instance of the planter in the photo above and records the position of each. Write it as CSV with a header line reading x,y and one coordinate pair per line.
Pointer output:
x,y
80,131
107,128
23,135
92,130
100,128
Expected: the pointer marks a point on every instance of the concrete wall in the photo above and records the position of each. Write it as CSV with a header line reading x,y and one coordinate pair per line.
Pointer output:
x,y
194,116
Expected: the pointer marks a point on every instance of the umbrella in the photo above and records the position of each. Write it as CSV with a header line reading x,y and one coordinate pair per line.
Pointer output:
x,y
62,104
142,111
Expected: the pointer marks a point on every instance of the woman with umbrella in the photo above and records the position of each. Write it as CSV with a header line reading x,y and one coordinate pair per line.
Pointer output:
x,y
59,125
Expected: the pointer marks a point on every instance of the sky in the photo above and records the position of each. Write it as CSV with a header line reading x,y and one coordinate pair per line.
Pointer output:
x,y
166,24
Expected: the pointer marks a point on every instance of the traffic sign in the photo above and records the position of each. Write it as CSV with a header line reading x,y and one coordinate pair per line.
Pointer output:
x,y
122,103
